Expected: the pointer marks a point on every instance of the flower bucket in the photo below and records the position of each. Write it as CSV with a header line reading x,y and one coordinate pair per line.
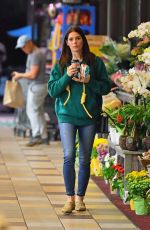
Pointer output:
x,y
121,193
111,190
132,204
141,206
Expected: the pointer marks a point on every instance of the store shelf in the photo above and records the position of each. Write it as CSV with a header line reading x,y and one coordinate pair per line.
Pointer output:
x,y
89,29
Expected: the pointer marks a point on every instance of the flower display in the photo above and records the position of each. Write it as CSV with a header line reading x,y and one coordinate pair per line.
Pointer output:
x,y
100,146
114,53
100,149
126,117
137,82
119,169
95,167
118,179
145,57
107,169
140,52
142,30
138,184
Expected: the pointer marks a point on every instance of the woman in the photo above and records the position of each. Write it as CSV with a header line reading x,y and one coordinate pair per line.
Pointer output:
x,y
78,82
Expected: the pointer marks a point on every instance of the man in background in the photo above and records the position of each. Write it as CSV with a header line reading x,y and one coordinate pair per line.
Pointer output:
x,y
37,89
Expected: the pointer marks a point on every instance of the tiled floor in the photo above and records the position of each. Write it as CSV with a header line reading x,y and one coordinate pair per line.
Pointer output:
x,y
32,191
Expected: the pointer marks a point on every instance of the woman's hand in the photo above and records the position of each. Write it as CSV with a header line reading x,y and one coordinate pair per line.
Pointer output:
x,y
84,74
82,79
71,70
15,75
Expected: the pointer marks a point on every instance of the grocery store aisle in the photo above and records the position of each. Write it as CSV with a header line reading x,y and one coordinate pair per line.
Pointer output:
x,y
32,191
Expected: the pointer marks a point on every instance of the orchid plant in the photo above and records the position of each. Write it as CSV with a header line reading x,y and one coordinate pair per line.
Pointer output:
x,y
136,82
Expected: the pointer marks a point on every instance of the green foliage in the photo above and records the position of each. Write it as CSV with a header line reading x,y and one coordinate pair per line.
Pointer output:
x,y
107,169
113,54
138,184
117,183
94,153
126,117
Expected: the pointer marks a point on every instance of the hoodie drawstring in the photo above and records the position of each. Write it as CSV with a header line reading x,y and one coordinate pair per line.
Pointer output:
x,y
83,99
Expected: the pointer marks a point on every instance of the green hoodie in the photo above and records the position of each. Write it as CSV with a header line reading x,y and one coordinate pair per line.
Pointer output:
x,y
73,112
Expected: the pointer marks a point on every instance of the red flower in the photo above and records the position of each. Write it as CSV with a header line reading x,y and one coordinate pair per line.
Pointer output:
x,y
119,118
120,169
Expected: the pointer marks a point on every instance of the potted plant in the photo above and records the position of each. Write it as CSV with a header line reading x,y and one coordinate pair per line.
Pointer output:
x,y
146,120
107,169
127,120
102,150
138,185
118,179
99,150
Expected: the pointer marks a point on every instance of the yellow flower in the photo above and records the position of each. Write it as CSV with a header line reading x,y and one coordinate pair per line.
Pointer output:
x,y
136,174
99,141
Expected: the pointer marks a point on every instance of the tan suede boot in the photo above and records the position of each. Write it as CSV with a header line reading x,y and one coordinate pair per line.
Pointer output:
x,y
68,207
80,206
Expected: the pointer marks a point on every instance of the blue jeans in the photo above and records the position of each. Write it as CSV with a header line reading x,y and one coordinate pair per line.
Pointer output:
x,y
86,136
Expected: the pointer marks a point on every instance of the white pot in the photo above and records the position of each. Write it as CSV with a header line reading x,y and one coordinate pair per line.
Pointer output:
x,y
114,136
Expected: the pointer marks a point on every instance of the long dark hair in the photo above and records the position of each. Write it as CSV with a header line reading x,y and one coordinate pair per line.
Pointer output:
x,y
66,55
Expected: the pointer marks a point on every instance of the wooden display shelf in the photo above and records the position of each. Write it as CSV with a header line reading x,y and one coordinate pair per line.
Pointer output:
x,y
127,158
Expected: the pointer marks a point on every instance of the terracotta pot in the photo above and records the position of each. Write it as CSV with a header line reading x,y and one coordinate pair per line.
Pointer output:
x,y
122,141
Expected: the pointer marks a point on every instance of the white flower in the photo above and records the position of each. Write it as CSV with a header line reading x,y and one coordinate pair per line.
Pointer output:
x,y
144,92
137,82
107,157
145,57
132,71
142,30
132,34
107,164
